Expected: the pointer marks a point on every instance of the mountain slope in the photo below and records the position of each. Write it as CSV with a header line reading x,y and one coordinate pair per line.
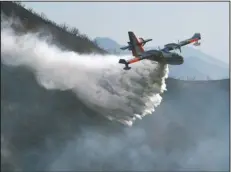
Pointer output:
x,y
197,65
51,130
107,43
206,66
63,36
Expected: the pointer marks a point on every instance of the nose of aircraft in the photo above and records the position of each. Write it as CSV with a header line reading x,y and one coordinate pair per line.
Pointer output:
x,y
179,58
176,59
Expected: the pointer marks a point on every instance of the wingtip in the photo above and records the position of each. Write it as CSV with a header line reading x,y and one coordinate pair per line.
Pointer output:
x,y
122,61
127,68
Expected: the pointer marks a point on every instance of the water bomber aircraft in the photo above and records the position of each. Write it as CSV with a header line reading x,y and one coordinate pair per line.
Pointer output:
x,y
164,55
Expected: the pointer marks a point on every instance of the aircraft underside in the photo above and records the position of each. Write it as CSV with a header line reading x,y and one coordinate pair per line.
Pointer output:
x,y
172,59
164,55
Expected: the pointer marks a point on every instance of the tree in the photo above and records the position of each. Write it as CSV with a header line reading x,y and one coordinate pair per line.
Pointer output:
x,y
74,31
43,16
64,26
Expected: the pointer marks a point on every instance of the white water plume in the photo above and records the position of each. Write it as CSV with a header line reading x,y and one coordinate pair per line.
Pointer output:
x,y
98,80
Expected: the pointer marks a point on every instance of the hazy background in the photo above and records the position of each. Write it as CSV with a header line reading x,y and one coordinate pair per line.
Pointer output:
x,y
44,129
164,22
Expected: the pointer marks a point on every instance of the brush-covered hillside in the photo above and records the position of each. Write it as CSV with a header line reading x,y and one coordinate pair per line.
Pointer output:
x,y
53,130
56,130
62,35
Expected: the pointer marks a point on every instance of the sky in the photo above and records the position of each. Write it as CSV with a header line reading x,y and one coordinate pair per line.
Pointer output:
x,y
164,22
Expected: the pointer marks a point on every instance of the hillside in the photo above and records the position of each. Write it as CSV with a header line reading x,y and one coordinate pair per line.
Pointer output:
x,y
197,65
108,45
53,130
63,36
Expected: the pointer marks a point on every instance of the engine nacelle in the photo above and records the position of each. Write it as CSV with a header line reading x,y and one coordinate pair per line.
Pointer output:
x,y
173,46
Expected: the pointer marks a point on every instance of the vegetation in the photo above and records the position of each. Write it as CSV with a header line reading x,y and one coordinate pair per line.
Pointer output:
x,y
64,35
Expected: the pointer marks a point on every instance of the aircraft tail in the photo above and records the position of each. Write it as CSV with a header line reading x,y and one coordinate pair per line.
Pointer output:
x,y
196,36
194,39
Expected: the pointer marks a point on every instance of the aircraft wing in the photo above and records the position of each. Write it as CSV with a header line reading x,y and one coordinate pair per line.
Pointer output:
x,y
124,48
194,39
135,45
137,48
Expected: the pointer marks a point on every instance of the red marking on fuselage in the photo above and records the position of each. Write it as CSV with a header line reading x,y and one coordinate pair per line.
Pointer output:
x,y
193,40
136,59
140,45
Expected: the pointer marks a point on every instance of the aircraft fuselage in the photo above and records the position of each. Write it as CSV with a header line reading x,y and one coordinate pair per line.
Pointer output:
x,y
163,57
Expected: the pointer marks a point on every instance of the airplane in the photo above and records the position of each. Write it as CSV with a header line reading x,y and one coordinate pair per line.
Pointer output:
x,y
164,55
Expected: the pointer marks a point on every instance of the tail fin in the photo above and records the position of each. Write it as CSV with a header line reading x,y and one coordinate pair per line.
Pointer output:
x,y
196,36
